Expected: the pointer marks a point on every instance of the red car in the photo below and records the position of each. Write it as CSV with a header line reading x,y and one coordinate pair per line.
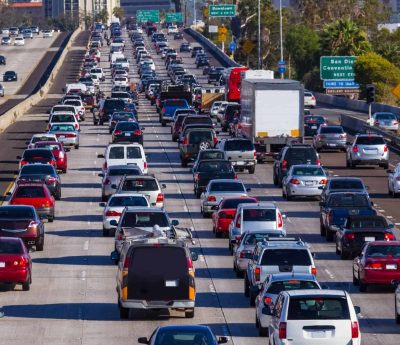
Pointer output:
x,y
59,153
222,218
36,195
15,262
378,263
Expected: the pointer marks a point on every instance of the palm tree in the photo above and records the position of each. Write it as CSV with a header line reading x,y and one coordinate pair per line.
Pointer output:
x,y
344,37
119,12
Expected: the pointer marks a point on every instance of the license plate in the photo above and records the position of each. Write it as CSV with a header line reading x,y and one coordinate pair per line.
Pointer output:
x,y
309,183
330,144
127,134
391,267
171,283
2,264
313,127
369,239
62,136
239,163
318,334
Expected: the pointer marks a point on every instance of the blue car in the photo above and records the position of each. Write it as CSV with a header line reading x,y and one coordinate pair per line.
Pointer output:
x,y
169,107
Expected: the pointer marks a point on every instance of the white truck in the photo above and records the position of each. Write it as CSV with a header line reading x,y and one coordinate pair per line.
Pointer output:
x,y
271,114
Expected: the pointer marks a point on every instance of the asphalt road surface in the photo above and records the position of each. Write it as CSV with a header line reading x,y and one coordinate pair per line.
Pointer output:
x,y
73,299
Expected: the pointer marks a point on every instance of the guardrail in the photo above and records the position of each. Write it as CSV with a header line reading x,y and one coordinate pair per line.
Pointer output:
x,y
217,53
11,116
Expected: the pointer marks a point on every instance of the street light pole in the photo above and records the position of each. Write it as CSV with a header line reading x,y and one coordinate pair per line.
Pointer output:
x,y
194,12
259,64
280,31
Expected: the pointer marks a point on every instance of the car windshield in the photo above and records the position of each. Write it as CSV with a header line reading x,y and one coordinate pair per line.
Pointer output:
x,y
122,201
62,118
196,137
308,171
293,284
37,169
331,130
114,104
127,126
124,171
227,187
139,185
346,184
175,103
172,337
144,219
12,212
368,223
283,257
348,200
123,116
385,116
301,154
259,215
318,308
30,192
254,238
239,145
36,139
53,147
62,128
370,140
215,166
383,250
10,247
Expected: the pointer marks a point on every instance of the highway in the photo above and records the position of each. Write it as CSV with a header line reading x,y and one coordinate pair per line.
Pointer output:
x,y
73,299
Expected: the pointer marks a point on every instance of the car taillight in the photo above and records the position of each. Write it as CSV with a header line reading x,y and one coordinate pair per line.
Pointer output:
x,y
127,262
47,203
254,154
284,164
185,141
53,162
374,266
51,180
190,264
354,329
257,273
32,225
61,155
294,181
23,162
385,148
355,149
282,330
117,132
388,236
313,271
113,214
212,198
21,263
280,221
238,221
137,132
323,181
318,162
225,215
160,197
70,135
215,140
76,125
145,165
267,301
350,236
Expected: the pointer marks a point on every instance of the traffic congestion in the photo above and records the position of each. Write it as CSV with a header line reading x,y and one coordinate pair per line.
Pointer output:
x,y
204,219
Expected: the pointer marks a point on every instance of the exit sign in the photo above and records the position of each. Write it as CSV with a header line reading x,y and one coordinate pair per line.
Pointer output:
x,y
337,67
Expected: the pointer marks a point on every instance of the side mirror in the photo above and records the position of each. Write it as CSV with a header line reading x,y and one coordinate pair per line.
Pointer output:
x,y
266,311
194,256
102,204
114,186
100,155
357,309
143,340
391,226
222,340
248,189
163,186
100,175
175,222
113,223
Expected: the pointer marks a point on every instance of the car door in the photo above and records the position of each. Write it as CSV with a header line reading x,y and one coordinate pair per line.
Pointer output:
x,y
275,319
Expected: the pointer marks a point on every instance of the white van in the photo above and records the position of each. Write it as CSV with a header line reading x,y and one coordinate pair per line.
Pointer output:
x,y
75,88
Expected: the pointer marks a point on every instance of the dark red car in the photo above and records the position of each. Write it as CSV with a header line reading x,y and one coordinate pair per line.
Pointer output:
x,y
222,218
15,262
36,195
59,153
177,127
378,263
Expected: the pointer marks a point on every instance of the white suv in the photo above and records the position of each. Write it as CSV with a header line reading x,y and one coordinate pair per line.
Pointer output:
x,y
307,317
172,29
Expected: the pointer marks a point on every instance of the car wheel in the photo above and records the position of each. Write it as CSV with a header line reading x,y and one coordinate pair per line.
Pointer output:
x,y
26,286
40,245
218,234
230,247
246,287
344,255
197,193
58,196
288,197
106,232
329,236
123,313
163,123
252,169
239,273
252,299
263,331
51,219
76,147
189,313
275,179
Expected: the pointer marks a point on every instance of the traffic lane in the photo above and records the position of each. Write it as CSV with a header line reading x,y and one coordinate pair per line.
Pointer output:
x,y
23,60
193,42
13,140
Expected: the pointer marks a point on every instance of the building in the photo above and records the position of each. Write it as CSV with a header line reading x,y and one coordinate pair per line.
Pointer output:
x,y
32,10
131,6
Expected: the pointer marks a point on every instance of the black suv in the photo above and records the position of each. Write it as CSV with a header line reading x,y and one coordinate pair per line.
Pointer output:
x,y
106,108
293,154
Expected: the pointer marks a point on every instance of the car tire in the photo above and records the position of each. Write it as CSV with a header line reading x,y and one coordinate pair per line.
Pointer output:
x,y
230,248
123,313
58,196
263,331
218,234
26,286
197,193
163,123
275,179
289,197
362,286
76,147
189,313
239,273
40,245
344,255
51,218
322,229
246,286
252,300
104,197
64,171
252,169
329,236
106,232
355,280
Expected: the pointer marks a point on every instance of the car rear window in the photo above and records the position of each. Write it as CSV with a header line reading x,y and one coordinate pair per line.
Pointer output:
x,y
30,192
37,169
197,120
144,219
127,126
119,95
62,128
308,171
227,187
10,247
314,119
211,155
259,215
346,184
73,102
175,103
239,145
286,256
133,152
43,153
123,116
370,140
52,147
114,104
293,284
231,110
10,212
318,308
385,116
139,185
122,171
383,250
233,203
196,137
36,139
116,152
62,118
254,238
123,201
348,200
331,129
212,167
301,154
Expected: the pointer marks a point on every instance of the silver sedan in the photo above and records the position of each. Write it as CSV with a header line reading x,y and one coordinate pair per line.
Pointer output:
x,y
304,180
394,181
386,121
66,134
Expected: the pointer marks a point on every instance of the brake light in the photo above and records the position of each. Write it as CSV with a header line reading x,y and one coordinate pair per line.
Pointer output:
x,y
257,273
215,139
190,264
354,329
355,149
185,141
282,330
374,266
61,155
238,221
21,263
145,165
127,262
212,198
53,162
76,125
294,181
318,162
267,301
113,214
323,181
385,148
350,236
284,164
160,197
32,225
137,132
23,162
51,180
70,135
47,203
388,236
280,221
313,271
254,154
117,132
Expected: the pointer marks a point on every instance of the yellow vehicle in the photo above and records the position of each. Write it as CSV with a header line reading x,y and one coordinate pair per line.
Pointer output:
x,y
204,97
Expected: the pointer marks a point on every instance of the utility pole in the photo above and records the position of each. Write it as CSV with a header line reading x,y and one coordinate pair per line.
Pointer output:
x,y
280,31
259,64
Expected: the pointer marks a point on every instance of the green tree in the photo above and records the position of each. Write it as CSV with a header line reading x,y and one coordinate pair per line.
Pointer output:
x,y
371,68
387,44
344,37
118,12
302,45
102,16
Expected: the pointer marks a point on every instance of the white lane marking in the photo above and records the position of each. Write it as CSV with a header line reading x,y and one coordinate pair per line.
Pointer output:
x,y
212,288
389,217
95,162
335,175
201,258
289,220
185,208
329,273
83,275
382,211
86,245
174,177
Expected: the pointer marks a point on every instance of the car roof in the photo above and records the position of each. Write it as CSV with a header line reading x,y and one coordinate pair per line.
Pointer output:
x,y
145,209
139,195
225,180
306,166
259,205
294,276
184,327
310,292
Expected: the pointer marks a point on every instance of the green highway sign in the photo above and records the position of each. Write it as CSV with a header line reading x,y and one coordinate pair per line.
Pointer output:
x,y
173,17
222,10
337,67
143,16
